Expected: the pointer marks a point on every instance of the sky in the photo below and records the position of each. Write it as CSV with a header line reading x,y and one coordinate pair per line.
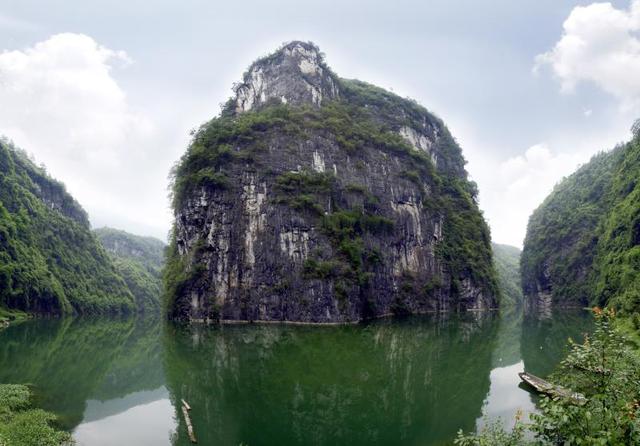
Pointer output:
x,y
104,93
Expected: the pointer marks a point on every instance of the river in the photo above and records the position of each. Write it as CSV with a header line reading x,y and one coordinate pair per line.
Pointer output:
x,y
413,381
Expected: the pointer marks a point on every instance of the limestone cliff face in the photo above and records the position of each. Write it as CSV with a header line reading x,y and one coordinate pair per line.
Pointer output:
x,y
317,199
562,237
294,75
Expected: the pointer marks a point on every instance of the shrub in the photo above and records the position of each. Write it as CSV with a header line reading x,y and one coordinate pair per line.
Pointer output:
x,y
607,372
21,425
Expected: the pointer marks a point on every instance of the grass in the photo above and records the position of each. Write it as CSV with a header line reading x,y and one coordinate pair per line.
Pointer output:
x,y
23,425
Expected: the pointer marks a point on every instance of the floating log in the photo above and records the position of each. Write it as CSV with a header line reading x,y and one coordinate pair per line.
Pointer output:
x,y
553,390
187,420
185,404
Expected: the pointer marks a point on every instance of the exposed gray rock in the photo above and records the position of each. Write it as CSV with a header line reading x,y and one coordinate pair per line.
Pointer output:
x,y
294,75
253,252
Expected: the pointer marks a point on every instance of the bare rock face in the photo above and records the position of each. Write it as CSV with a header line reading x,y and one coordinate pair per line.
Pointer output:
x,y
294,75
317,199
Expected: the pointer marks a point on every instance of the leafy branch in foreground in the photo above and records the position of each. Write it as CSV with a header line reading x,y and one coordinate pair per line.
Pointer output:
x,y
607,371
495,434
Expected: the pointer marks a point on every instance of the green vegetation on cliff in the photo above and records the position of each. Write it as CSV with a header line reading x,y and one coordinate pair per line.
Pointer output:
x,y
365,117
139,261
50,261
583,242
562,234
507,262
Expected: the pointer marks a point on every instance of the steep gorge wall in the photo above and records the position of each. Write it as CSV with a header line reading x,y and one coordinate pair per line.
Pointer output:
x,y
583,243
50,262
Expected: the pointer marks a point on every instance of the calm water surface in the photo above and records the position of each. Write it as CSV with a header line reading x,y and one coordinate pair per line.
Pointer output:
x,y
414,381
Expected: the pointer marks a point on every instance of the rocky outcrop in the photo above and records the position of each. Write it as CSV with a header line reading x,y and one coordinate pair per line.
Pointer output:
x,y
294,75
317,199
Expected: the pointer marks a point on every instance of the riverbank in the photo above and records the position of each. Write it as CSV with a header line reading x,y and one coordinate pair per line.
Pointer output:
x,y
22,424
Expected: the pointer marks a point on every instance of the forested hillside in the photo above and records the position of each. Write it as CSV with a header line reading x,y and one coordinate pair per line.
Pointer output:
x,y
583,243
50,262
507,262
139,261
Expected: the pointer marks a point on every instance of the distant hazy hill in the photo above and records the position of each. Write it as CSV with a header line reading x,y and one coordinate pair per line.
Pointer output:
x,y
50,261
507,262
139,261
583,243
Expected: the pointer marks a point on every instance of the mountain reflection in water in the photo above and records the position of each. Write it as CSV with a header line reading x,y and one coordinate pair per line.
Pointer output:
x,y
411,381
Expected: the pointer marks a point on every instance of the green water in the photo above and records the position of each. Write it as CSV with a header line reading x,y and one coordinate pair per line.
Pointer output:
x,y
414,381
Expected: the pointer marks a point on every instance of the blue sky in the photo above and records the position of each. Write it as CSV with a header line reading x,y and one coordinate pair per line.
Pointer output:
x,y
105,93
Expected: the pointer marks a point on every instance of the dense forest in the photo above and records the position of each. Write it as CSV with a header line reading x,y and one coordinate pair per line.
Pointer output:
x,y
507,263
139,261
50,262
583,243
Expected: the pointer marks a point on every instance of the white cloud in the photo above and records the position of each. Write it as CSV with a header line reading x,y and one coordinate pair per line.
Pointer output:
x,y
599,45
510,190
61,102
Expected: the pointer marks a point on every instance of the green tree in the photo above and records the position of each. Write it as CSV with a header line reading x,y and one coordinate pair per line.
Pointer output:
x,y
606,371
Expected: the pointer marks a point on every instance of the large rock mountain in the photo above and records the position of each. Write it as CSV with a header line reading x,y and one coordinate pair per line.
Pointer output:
x,y
315,198
50,262
139,261
583,243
